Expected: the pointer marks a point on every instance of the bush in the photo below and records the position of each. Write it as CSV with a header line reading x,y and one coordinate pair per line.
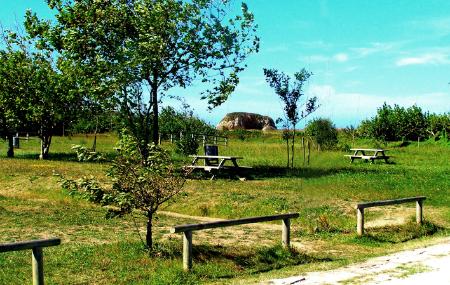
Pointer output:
x,y
323,132
187,145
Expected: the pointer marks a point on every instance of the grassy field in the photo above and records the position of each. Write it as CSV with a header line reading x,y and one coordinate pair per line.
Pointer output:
x,y
95,250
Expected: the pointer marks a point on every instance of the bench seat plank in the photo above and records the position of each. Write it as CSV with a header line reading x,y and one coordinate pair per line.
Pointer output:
x,y
389,202
227,223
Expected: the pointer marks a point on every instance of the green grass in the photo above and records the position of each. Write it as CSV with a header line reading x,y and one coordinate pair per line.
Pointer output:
x,y
100,251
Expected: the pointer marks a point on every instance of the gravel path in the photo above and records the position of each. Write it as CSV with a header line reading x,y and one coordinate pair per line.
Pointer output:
x,y
419,266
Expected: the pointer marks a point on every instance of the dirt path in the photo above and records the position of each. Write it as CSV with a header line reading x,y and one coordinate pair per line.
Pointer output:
x,y
419,266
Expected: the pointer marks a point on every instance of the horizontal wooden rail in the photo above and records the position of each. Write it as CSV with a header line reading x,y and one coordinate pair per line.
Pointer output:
x,y
389,202
37,256
188,229
228,223
361,206
23,245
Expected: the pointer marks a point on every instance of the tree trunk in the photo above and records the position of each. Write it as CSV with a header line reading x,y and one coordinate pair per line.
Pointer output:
x,y
45,146
293,145
154,94
10,152
94,144
148,237
287,148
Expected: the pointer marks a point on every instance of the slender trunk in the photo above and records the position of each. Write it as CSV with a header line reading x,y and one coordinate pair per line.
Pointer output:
x,y
293,145
94,145
10,152
304,151
154,94
148,237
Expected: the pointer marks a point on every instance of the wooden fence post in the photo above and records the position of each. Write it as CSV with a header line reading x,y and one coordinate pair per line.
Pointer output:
x,y
360,221
187,250
419,211
286,232
37,263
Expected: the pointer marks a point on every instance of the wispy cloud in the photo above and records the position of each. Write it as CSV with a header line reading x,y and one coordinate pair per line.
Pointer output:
x,y
374,48
435,58
338,57
434,27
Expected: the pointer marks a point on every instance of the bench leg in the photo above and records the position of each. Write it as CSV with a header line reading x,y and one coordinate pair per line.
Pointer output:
x,y
286,233
37,262
419,212
187,251
360,221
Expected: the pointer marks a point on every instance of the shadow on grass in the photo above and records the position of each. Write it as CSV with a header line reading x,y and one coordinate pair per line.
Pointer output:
x,y
398,233
259,172
63,156
252,261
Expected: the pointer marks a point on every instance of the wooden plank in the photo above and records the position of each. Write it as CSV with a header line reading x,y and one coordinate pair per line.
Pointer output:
x,y
4,247
216,156
389,202
227,223
367,149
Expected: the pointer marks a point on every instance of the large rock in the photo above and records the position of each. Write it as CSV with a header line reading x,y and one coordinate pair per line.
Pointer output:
x,y
246,121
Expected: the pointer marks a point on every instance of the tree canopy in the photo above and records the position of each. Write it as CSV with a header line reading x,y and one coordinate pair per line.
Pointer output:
x,y
136,50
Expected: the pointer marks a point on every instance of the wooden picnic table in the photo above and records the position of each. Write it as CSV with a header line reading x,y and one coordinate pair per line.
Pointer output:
x,y
216,163
368,154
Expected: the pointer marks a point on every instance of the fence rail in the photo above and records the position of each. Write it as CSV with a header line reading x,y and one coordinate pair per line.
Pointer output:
x,y
189,228
37,256
361,206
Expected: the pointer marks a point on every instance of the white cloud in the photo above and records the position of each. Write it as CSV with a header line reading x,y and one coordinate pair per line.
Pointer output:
x,y
318,58
345,108
376,47
340,57
435,58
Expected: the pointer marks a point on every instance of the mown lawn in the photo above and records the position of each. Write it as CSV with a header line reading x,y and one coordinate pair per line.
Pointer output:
x,y
96,250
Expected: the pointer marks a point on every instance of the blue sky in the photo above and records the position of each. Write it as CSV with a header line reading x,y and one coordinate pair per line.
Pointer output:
x,y
361,52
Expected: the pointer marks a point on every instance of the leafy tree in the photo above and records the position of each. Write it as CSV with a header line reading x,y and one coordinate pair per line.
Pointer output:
x,y
142,183
290,94
397,123
323,131
139,49
14,70
34,92
438,125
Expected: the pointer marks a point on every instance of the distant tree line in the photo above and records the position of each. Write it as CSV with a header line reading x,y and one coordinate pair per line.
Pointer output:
x,y
398,123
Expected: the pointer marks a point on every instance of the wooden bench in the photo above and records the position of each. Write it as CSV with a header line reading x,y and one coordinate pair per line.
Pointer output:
x,y
37,257
360,153
188,229
361,206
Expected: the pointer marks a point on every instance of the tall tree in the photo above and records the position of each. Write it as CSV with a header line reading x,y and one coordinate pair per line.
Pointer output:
x,y
290,94
14,70
142,48
34,93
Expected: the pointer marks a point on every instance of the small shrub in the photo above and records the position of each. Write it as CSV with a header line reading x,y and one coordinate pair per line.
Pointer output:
x,y
187,145
87,155
323,132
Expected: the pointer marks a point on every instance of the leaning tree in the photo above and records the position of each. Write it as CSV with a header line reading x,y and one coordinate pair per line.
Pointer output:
x,y
139,49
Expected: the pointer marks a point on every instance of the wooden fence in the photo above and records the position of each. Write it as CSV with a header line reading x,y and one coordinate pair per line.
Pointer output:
x,y
37,256
188,229
361,206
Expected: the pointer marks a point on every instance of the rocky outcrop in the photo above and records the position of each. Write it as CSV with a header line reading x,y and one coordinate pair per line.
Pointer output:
x,y
246,121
